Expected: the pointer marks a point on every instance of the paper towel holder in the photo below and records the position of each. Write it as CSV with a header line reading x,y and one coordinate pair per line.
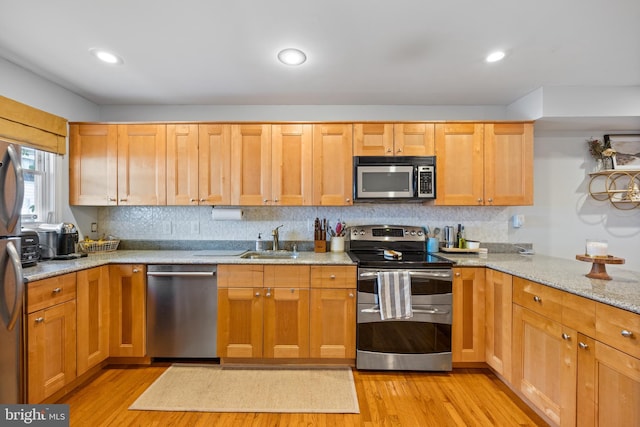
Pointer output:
x,y
226,214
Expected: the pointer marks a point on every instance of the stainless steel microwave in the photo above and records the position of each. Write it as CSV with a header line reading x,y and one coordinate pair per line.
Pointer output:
x,y
401,178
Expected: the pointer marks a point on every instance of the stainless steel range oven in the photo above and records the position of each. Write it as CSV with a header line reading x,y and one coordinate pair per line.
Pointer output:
x,y
421,342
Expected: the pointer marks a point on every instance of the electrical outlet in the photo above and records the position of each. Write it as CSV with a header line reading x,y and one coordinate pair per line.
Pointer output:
x,y
518,221
94,227
166,227
195,227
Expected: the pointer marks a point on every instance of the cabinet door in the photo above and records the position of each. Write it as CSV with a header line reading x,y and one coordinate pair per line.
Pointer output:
x,y
127,294
459,164
498,321
508,163
92,317
214,165
467,330
142,165
51,350
291,148
286,323
414,139
250,164
332,164
373,139
608,386
93,164
544,364
182,164
333,324
240,313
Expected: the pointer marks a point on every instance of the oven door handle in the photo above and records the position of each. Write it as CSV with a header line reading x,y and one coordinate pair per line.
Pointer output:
x,y
431,310
417,274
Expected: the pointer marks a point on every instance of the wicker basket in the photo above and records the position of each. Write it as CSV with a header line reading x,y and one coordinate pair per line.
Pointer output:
x,y
98,246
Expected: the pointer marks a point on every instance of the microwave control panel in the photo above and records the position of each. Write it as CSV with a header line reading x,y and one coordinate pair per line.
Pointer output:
x,y
425,181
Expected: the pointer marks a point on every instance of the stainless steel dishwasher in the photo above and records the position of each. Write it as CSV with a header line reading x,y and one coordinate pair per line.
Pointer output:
x,y
182,311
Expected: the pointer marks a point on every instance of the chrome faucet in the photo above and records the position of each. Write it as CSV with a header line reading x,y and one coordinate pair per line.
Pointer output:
x,y
276,237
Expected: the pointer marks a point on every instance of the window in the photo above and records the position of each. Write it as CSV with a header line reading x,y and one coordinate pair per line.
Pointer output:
x,y
39,185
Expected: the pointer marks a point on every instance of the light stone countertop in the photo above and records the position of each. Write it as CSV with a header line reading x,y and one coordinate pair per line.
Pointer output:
x,y
564,274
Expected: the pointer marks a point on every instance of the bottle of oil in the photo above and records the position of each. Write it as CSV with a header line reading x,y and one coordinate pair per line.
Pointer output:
x,y
462,243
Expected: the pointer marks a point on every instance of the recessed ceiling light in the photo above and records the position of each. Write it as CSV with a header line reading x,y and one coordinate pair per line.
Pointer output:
x,y
106,56
292,56
495,56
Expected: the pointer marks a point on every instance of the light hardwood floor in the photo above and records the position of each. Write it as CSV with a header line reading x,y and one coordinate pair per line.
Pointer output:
x,y
466,397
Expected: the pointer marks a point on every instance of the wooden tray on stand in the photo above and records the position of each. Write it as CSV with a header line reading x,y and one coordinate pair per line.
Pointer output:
x,y
599,267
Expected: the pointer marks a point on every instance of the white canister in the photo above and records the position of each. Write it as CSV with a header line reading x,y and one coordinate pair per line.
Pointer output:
x,y
337,244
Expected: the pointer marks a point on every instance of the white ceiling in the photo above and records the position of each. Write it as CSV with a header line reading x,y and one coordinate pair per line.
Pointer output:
x,y
360,52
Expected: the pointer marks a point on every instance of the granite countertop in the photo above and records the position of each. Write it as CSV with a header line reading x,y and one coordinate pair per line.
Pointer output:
x,y
623,291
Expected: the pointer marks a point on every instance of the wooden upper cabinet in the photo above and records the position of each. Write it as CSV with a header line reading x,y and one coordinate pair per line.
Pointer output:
x,y
93,167
142,164
508,163
214,165
250,164
332,164
291,148
373,139
182,164
459,164
414,139
400,139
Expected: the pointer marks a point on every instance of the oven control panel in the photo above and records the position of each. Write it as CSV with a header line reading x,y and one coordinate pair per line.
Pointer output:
x,y
385,233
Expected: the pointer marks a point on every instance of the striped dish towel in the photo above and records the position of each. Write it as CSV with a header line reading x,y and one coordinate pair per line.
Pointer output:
x,y
394,294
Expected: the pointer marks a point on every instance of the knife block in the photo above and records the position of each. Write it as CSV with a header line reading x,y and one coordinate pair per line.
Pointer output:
x,y
320,246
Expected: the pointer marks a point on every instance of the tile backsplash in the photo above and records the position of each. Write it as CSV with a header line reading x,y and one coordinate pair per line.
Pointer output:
x,y
486,224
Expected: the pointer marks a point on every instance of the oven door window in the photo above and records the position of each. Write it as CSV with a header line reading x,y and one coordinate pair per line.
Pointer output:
x,y
404,337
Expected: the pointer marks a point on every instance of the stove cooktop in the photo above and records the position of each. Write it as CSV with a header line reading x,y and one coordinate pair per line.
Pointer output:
x,y
408,260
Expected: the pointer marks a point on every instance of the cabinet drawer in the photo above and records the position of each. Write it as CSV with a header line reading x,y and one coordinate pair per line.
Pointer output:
x,y
538,298
286,276
240,276
48,292
333,276
618,328
579,313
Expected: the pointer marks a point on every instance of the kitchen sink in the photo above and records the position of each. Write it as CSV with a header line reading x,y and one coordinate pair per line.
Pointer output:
x,y
269,255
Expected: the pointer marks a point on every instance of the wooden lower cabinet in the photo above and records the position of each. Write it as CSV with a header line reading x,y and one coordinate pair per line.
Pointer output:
x,y
333,312
51,336
127,296
498,321
92,317
608,385
468,331
268,311
544,364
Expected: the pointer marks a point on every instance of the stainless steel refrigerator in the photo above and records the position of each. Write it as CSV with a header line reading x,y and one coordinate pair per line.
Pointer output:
x,y
12,370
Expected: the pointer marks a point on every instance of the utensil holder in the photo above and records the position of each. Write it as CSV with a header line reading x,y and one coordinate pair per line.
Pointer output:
x,y
337,244
320,246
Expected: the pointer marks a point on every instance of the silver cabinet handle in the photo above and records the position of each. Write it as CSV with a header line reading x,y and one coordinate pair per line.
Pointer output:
x,y
123,200
479,200
39,319
112,199
490,200
135,270
457,274
332,277
388,150
192,200
351,295
56,291
566,337
268,294
179,273
257,294
276,200
583,345
347,200
536,298
626,334
202,200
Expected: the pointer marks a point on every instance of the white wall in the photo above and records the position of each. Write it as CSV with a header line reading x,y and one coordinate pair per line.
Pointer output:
x,y
564,215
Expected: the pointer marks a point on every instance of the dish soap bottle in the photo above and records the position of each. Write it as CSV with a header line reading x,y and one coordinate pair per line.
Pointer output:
x,y
259,243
